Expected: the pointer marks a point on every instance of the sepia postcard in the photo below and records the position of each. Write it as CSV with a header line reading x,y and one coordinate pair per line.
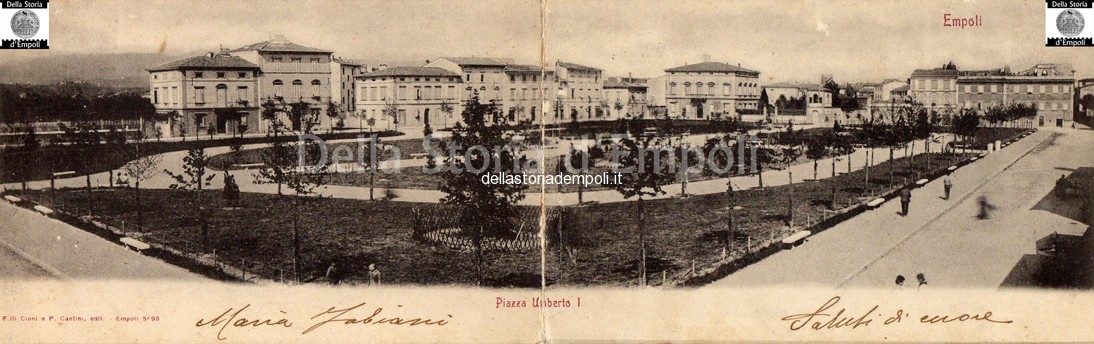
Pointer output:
x,y
546,171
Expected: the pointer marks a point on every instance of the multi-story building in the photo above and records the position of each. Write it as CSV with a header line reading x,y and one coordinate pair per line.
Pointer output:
x,y
399,97
526,88
626,97
343,73
293,72
798,103
1047,87
579,94
482,76
935,88
706,90
210,94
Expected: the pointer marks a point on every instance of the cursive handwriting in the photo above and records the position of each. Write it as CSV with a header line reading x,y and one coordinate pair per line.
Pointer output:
x,y
231,320
373,319
834,321
237,318
824,319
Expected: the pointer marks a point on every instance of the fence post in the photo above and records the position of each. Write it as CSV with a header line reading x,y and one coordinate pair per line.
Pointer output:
x,y
243,267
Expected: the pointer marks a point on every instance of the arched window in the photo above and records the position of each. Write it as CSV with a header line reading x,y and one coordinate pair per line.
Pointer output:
x,y
672,88
222,93
687,88
297,89
277,87
725,88
316,86
711,88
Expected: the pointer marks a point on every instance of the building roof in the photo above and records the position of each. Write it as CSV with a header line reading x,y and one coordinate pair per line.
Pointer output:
x,y
809,87
206,61
347,62
625,83
281,45
575,66
719,67
934,72
900,89
520,68
411,71
475,61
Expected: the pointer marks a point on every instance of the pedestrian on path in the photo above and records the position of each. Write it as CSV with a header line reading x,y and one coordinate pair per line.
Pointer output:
x,y
947,184
905,200
373,275
985,208
922,280
334,274
900,280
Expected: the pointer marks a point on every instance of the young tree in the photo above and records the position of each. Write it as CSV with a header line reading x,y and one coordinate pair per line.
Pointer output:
x,y
787,156
273,109
483,140
334,112
392,110
141,167
965,125
231,190
816,149
447,109
644,170
193,174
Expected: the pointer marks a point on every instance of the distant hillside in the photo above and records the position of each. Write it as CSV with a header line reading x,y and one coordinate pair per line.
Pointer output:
x,y
114,70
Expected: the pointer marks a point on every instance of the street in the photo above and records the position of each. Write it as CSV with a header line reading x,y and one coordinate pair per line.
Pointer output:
x,y
943,239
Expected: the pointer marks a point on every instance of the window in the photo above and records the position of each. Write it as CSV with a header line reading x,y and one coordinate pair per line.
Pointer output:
x,y
277,86
220,74
199,94
198,74
468,77
155,96
222,94
296,60
418,92
315,60
512,78
241,94
400,93
173,95
242,74
317,87
482,77
699,89
276,59
297,89
512,94
451,92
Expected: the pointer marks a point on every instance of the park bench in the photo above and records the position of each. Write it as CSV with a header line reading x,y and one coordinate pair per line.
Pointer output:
x,y
921,182
249,166
43,209
13,199
796,238
134,244
419,155
951,168
875,203
974,158
65,173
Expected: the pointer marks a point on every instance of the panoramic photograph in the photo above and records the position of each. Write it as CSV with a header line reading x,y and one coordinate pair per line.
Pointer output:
x,y
549,145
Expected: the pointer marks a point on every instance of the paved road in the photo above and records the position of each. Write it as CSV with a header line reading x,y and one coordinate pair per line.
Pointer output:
x,y
67,252
14,267
942,238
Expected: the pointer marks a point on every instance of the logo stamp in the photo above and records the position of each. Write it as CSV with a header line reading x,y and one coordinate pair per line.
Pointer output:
x,y
1065,23
29,27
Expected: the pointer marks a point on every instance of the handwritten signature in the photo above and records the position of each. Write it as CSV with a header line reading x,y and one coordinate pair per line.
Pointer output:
x,y
236,318
824,319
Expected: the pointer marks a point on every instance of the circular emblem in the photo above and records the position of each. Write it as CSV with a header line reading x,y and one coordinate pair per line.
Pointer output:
x,y
24,24
1070,22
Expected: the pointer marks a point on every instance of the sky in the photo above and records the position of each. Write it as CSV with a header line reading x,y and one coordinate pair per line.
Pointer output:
x,y
854,41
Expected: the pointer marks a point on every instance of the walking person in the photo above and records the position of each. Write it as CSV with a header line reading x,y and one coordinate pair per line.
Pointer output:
x,y
905,200
373,275
334,274
947,185
985,208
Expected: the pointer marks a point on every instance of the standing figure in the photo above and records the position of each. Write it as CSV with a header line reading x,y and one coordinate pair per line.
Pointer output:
x,y
334,275
905,200
947,184
373,275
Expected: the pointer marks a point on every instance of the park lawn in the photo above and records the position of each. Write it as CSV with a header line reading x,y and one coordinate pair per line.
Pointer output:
x,y
353,232
17,164
682,230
